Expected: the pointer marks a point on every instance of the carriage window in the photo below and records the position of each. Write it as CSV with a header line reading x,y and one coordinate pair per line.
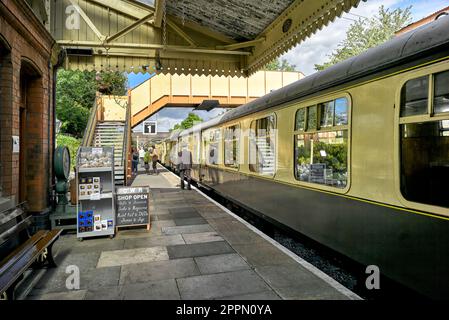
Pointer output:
x,y
262,146
341,112
311,118
327,114
322,158
300,119
424,178
321,154
414,97
231,146
211,146
441,99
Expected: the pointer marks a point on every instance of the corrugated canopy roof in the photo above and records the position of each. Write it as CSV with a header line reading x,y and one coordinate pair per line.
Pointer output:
x,y
185,36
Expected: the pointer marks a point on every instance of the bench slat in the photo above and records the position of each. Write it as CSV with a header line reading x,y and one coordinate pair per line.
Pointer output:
x,y
22,225
9,275
22,249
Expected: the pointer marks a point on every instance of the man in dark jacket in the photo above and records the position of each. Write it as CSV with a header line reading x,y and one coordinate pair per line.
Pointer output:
x,y
184,166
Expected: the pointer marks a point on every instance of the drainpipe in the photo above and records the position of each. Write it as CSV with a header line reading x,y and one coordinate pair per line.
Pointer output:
x,y
52,102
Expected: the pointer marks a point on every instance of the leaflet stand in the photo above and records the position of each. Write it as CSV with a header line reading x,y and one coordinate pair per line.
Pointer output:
x,y
96,192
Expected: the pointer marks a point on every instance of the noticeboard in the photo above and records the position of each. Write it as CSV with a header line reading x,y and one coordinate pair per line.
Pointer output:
x,y
132,206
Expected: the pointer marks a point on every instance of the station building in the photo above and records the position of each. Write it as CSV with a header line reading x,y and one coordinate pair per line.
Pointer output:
x,y
28,58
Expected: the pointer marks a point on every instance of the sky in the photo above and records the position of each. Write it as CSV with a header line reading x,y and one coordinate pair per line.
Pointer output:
x,y
314,50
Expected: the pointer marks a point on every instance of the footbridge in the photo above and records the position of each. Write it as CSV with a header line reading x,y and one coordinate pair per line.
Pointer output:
x,y
203,92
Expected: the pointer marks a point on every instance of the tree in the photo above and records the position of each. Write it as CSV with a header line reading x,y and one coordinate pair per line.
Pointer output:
x,y
368,33
188,122
75,96
280,65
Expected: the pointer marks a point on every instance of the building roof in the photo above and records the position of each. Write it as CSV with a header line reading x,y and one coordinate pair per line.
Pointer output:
x,y
232,37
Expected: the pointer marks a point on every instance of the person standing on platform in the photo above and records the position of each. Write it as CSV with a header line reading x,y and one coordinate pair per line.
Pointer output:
x,y
154,158
185,166
135,160
146,161
141,155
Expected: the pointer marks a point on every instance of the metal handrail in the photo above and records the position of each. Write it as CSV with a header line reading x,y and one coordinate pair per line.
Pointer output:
x,y
91,124
126,138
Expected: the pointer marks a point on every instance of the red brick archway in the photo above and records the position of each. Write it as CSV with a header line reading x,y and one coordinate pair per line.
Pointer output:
x,y
31,132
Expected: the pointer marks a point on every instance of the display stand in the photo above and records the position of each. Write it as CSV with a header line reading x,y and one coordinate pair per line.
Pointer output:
x,y
96,192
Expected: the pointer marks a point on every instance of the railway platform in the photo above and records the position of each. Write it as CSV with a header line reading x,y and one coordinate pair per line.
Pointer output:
x,y
195,249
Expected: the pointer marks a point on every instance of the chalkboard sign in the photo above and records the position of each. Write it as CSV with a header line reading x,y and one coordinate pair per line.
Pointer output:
x,y
132,207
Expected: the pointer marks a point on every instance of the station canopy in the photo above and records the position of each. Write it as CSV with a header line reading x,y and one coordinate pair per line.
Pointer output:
x,y
217,37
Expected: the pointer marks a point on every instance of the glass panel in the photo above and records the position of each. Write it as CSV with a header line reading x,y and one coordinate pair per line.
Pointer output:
x,y
414,97
322,158
424,178
300,119
327,114
212,147
311,118
262,146
232,136
441,99
341,112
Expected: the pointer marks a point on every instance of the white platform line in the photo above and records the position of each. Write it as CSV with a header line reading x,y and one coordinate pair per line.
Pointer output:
x,y
317,272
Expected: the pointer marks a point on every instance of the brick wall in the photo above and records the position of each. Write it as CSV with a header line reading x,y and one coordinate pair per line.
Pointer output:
x,y
25,57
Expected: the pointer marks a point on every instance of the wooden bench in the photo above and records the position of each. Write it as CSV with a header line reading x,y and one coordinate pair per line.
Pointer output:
x,y
22,250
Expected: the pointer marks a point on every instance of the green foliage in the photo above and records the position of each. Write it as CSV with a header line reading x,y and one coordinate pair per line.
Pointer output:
x,y
280,65
188,122
368,33
71,143
75,96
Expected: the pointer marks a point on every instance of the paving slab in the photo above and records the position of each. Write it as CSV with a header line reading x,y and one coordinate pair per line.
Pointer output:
x,y
157,290
295,282
158,270
201,237
262,254
131,256
187,229
199,249
189,221
221,263
154,241
221,285
105,293
258,296
68,295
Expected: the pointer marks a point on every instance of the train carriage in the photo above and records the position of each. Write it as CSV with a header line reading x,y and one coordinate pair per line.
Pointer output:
x,y
355,157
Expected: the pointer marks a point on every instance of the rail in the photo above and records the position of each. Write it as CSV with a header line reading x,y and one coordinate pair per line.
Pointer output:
x,y
127,140
89,132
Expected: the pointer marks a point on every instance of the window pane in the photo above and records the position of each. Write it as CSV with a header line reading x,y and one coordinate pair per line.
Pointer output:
x,y
262,146
414,97
341,112
441,100
327,114
212,147
311,118
425,162
232,135
300,119
322,158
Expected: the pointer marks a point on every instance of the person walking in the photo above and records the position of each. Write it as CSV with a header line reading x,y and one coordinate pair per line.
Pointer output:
x,y
141,155
135,160
146,161
185,166
154,158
